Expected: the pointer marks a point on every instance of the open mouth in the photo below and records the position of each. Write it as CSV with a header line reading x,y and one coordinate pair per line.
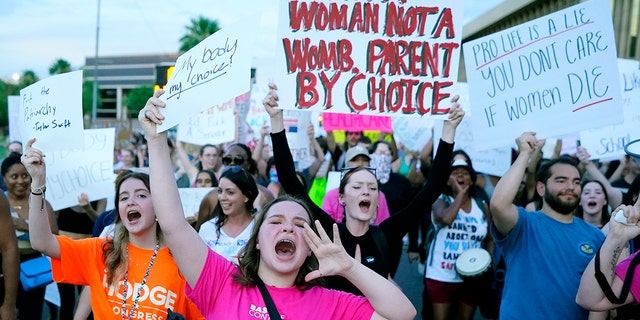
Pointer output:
x,y
133,215
364,205
592,204
285,247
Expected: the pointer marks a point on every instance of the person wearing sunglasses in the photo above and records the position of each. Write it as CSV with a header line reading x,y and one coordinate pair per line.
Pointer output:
x,y
209,159
359,193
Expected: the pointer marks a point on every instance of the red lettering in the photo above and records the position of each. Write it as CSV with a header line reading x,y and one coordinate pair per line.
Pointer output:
x,y
301,15
403,24
302,56
356,17
420,97
328,85
338,17
322,17
444,21
295,55
448,53
409,83
307,93
438,96
373,91
350,101
346,63
395,90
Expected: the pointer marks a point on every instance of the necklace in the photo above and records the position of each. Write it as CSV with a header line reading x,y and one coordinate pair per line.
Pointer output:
x,y
144,280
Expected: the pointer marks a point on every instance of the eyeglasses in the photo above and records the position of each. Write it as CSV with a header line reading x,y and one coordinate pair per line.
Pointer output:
x,y
347,170
236,160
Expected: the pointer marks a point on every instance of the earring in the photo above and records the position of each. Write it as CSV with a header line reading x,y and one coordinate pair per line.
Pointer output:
x,y
342,203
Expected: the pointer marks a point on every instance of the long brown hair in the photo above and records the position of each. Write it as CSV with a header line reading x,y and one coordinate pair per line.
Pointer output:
x,y
250,255
113,249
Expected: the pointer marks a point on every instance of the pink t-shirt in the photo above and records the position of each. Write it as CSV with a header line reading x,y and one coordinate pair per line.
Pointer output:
x,y
621,271
217,296
331,205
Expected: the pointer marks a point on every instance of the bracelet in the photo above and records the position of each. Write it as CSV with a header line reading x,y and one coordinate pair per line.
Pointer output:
x,y
38,191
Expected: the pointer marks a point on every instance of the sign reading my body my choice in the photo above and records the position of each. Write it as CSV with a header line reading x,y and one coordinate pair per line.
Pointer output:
x,y
214,71
553,75
384,57
51,111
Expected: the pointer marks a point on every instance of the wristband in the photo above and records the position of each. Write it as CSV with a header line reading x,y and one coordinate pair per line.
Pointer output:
x,y
39,192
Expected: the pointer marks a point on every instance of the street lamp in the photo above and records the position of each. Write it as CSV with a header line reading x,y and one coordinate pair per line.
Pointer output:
x,y
94,106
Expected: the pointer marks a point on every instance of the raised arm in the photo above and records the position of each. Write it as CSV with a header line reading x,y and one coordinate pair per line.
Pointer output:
x,y
386,298
505,213
10,260
590,295
284,159
185,162
188,250
614,194
40,232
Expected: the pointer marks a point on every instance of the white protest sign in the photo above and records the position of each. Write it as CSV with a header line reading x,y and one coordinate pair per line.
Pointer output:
x,y
414,133
14,118
375,57
553,75
191,199
295,125
569,146
494,161
213,126
257,115
214,71
608,142
51,111
70,173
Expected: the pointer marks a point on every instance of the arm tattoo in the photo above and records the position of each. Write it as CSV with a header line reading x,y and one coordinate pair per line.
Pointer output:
x,y
614,260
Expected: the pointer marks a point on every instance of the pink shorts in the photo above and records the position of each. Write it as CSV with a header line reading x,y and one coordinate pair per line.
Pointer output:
x,y
450,292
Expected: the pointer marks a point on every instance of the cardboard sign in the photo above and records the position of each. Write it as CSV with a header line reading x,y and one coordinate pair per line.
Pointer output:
x,y
376,57
214,71
608,142
70,173
51,111
356,122
191,199
554,75
215,125
295,126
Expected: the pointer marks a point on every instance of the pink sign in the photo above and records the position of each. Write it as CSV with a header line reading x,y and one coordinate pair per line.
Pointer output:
x,y
356,122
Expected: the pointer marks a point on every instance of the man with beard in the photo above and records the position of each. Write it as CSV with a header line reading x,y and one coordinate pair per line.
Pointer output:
x,y
545,251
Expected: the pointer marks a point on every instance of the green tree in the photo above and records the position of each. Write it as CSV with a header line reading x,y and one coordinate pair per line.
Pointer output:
x,y
60,66
136,99
199,30
28,78
6,90
87,97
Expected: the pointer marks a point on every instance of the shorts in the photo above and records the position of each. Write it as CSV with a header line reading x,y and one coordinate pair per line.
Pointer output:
x,y
450,292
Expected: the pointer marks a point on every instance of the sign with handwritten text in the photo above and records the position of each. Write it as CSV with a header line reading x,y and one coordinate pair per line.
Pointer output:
x,y
215,125
296,124
356,122
14,118
553,75
214,71
414,133
51,111
191,199
608,142
380,57
70,173
494,161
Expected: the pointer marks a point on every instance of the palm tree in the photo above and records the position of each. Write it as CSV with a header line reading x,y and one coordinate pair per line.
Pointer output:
x,y
199,30
60,66
28,78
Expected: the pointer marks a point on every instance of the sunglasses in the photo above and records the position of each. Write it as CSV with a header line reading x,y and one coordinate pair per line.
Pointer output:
x,y
236,160
347,170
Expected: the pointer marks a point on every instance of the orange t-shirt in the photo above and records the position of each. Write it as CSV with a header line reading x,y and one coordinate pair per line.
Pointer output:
x,y
81,263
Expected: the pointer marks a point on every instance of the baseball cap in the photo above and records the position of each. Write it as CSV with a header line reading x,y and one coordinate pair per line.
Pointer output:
x,y
460,163
356,151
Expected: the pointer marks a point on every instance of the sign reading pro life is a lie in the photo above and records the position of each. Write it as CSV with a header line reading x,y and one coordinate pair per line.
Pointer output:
x,y
554,75
377,57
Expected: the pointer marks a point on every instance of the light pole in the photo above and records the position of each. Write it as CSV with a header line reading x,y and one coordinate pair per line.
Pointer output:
x,y
94,109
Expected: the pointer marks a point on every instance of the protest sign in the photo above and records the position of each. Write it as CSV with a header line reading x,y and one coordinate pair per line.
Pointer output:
x,y
356,122
608,142
495,161
191,199
257,115
375,57
213,126
51,111
214,71
414,133
14,118
70,173
295,126
553,75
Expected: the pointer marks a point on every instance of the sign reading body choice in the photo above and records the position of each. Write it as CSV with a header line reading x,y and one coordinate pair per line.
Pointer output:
x,y
214,71
70,173
376,57
51,111
553,75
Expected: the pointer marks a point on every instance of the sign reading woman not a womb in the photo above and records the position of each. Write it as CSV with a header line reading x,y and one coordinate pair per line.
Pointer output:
x,y
381,57
554,75
214,71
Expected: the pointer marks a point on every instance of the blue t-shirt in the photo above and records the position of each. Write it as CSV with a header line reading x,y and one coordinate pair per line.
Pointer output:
x,y
545,260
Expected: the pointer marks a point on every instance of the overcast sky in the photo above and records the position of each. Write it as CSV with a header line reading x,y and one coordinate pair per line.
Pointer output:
x,y
34,33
